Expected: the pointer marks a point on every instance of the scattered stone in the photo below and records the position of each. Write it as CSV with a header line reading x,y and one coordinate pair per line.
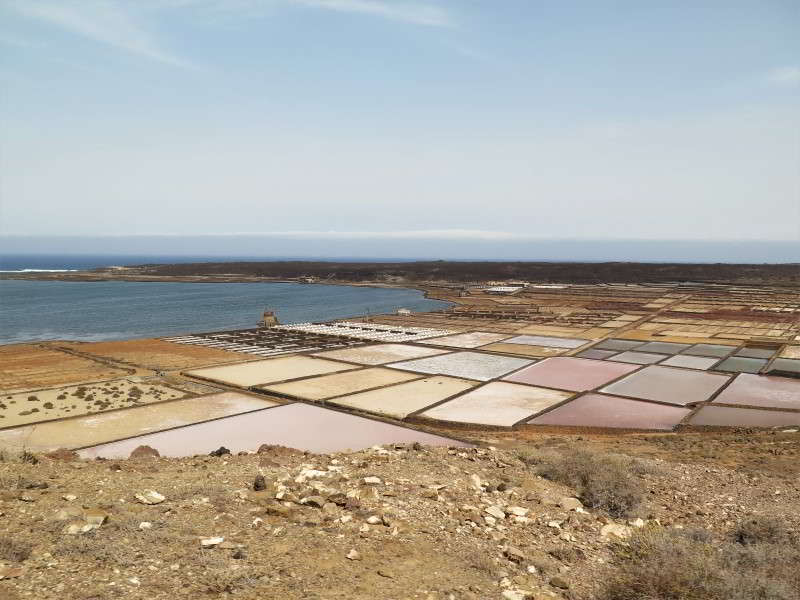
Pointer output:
x,y
560,583
614,530
211,542
476,482
570,503
514,554
315,501
144,452
372,480
518,511
150,497
10,572
70,512
95,516
374,520
353,555
70,497
221,451
638,523
259,483
496,512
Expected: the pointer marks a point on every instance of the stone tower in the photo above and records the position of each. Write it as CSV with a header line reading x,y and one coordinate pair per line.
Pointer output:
x,y
268,319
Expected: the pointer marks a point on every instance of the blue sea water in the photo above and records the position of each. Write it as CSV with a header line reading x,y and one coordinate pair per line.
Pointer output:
x,y
116,310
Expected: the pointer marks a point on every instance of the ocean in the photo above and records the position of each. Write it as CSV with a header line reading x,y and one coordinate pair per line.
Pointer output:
x,y
118,310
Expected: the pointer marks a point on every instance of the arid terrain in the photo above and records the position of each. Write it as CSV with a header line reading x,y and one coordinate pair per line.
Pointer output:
x,y
405,522
573,441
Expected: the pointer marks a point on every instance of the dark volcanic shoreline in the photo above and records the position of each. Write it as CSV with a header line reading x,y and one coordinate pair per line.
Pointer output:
x,y
432,272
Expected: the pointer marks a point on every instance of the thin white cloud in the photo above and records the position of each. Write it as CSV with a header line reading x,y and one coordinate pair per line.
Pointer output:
x,y
415,13
424,234
102,21
787,76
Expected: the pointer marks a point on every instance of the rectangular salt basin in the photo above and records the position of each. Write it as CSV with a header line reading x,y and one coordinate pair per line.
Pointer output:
x,y
739,364
725,416
568,373
662,347
762,390
756,352
666,384
523,350
105,427
690,362
399,401
380,354
497,404
338,384
638,358
596,354
270,371
469,365
302,426
553,342
790,352
717,350
468,340
598,410
616,344
787,367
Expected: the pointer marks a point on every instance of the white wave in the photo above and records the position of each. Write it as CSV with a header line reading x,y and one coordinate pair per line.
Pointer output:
x,y
40,271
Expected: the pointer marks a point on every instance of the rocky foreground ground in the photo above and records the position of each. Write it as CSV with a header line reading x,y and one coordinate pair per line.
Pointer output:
x,y
399,522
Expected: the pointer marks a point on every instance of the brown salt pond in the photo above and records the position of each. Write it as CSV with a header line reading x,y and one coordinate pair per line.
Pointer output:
x,y
599,410
567,373
302,426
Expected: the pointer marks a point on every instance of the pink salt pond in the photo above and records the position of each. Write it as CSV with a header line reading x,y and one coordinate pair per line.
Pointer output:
x,y
574,374
300,426
599,410
762,390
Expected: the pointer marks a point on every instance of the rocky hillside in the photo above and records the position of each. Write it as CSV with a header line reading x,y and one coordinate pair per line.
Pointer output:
x,y
397,522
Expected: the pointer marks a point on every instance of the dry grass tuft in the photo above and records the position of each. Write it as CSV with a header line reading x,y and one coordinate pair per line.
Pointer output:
x,y
603,481
14,551
678,565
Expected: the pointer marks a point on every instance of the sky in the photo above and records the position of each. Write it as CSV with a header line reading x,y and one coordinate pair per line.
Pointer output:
x,y
377,123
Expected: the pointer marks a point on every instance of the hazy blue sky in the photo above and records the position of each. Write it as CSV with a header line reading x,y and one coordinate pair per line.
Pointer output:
x,y
493,119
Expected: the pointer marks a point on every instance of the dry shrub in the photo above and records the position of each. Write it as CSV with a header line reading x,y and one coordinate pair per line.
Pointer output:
x,y
678,565
760,530
602,481
13,550
226,581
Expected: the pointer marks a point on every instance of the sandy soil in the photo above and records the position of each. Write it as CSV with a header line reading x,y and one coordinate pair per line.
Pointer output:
x,y
45,405
31,366
157,354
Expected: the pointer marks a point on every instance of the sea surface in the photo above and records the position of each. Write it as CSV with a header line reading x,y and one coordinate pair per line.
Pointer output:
x,y
118,310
